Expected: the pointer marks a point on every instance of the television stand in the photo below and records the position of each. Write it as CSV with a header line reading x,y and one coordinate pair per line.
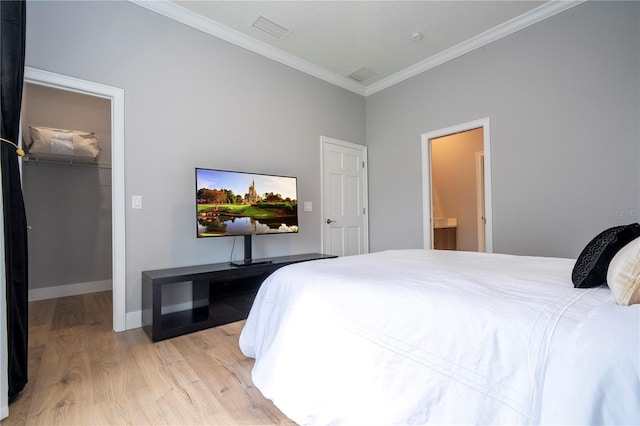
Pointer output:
x,y
221,293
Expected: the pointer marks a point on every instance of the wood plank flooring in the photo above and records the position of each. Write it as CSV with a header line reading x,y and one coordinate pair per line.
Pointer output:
x,y
82,373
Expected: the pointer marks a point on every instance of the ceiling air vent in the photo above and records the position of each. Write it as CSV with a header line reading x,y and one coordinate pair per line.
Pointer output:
x,y
268,26
362,74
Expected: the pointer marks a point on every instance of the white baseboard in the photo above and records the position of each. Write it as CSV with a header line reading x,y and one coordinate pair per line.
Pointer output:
x,y
134,320
68,290
176,308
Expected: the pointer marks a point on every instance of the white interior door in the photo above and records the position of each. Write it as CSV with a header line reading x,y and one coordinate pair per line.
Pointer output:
x,y
344,198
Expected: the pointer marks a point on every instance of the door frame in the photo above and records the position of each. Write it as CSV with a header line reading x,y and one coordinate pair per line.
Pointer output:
x,y
427,201
365,197
116,96
481,221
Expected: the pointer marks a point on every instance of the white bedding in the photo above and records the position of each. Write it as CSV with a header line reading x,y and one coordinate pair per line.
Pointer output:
x,y
441,337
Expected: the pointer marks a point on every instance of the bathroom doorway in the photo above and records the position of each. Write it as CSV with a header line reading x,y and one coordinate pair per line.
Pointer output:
x,y
456,188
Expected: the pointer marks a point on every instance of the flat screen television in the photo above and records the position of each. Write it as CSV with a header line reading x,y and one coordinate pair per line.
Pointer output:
x,y
232,203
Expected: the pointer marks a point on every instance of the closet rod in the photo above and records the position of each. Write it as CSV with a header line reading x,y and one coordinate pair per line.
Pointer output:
x,y
59,162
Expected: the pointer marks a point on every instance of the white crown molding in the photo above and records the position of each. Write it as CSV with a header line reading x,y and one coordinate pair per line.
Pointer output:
x,y
206,25
209,26
523,21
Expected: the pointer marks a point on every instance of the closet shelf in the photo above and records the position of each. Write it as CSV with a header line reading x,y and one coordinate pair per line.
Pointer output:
x,y
64,160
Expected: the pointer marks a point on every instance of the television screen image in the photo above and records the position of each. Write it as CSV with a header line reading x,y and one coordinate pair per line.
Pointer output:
x,y
237,203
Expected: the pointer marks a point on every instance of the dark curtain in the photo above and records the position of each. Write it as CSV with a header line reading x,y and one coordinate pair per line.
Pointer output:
x,y
12,44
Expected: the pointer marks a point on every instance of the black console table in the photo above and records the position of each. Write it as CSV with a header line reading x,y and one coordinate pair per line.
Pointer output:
x,y
222,293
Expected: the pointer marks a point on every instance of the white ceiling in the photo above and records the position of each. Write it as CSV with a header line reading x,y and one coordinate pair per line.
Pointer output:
x,y
332,39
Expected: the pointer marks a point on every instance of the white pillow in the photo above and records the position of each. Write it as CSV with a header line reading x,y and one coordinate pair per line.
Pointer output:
x,y
46,140
623,276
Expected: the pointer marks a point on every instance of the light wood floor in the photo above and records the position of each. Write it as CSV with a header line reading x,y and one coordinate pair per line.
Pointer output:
x,y
82,373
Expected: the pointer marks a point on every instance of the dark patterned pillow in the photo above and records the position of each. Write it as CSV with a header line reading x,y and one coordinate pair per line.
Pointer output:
x,y
591,267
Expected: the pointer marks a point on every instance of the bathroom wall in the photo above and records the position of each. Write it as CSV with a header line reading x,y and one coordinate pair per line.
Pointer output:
x,y
454,183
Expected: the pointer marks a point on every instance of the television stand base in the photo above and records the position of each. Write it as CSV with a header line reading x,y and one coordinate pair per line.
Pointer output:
x,y
249,262
221,293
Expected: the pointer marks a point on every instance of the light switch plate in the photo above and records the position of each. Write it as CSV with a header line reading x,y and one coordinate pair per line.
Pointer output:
x,y
136,202
308,206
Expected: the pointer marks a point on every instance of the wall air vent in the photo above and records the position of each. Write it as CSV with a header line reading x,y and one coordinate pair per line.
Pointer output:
x,y
268,26
362,74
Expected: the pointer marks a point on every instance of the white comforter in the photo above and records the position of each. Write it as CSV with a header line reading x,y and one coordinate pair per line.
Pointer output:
x,y
441,337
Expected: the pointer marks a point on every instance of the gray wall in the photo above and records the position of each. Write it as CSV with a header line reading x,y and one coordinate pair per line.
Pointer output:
x,y
563,101
68,207
562,95
193,100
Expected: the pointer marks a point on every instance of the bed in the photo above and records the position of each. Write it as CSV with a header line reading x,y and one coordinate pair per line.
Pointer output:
x,y
443,337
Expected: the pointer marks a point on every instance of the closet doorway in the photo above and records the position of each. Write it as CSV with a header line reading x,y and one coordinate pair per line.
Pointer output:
x,y
67,197
89,240
457,188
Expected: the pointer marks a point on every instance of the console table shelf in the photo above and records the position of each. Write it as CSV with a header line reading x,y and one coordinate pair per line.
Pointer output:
x,y
221,293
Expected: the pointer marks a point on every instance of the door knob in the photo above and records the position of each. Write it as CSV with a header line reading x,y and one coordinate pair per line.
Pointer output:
x,y
330,221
